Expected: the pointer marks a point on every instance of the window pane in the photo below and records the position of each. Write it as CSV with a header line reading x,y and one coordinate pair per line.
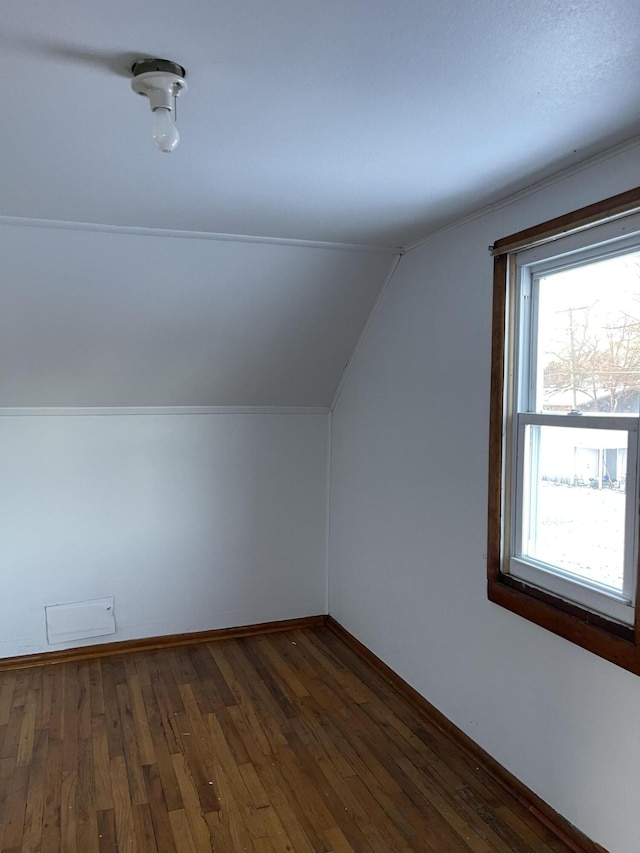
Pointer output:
x,y
588,345
574,501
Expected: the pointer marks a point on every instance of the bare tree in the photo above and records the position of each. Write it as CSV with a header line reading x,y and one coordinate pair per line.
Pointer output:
x,y
599,358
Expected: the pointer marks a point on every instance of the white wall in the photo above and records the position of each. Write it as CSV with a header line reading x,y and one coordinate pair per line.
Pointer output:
x,y
408,530
192,522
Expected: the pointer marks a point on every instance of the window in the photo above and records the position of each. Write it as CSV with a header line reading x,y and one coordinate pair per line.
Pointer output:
x,y
565,427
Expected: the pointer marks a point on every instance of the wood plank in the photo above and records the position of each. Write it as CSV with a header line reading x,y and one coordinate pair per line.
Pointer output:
x,y
231,783
27,731
143,828
461,777
15,804
250,697
83,709
112,675
192,808
289,742
218,824
51,818
68,809
137,788
101,769
263,845
107,831
56,706
281,667
12,733
181,829
96,687
355,824
276,833
290,821
254,786
43,713
159,812
21,687
158,732
7,686
70,718
197,748
87,813
123,814
338,842
433,727
233,813
7,768
319,655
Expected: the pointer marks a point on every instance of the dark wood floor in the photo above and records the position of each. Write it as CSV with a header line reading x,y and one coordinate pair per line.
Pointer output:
x,y
286,742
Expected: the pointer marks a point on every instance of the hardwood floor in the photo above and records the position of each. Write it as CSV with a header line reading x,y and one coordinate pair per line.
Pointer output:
x,y
284,742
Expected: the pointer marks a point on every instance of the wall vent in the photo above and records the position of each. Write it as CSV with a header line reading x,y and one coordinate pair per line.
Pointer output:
x,y
79,620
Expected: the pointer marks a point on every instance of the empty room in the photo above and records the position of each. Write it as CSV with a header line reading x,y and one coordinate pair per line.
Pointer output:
x,y
320,427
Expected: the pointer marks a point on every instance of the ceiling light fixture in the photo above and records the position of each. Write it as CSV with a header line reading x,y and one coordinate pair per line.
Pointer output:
x,y
161,81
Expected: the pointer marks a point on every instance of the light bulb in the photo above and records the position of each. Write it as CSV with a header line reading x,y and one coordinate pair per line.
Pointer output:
x,y
165,133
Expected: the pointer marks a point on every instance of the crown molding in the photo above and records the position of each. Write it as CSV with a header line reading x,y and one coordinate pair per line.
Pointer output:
x,y
139,231
100,411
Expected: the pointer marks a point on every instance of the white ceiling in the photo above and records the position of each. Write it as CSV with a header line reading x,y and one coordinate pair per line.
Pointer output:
x,y
366,121
339,121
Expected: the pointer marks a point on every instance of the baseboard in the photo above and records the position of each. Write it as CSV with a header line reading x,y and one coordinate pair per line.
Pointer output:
x,y
123,647
555,823
558,825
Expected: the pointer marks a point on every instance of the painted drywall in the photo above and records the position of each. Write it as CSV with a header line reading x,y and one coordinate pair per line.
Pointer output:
x,y
121,318
191,522
331,120
408,530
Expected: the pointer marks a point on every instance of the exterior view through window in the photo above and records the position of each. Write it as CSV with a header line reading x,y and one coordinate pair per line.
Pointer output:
x,y
583,361
564,524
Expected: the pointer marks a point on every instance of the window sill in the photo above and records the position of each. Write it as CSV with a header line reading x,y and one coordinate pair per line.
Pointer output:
x,y
611,640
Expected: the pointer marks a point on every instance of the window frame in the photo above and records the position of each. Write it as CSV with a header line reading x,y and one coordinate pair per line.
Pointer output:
x,y
600,634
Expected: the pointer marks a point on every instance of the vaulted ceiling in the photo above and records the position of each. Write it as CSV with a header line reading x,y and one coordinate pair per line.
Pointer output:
x,y
367,123
119,319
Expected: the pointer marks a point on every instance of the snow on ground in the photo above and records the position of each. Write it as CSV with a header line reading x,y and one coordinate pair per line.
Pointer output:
x,y
582,530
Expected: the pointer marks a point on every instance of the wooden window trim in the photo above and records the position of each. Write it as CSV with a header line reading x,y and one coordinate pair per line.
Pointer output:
x,y
586,217
602,636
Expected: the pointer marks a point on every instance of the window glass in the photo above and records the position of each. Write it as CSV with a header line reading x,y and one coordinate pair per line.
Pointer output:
x,y
574,502
588,337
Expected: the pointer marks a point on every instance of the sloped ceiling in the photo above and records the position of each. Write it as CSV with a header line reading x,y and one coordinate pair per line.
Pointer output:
x,y
366,123
117,319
